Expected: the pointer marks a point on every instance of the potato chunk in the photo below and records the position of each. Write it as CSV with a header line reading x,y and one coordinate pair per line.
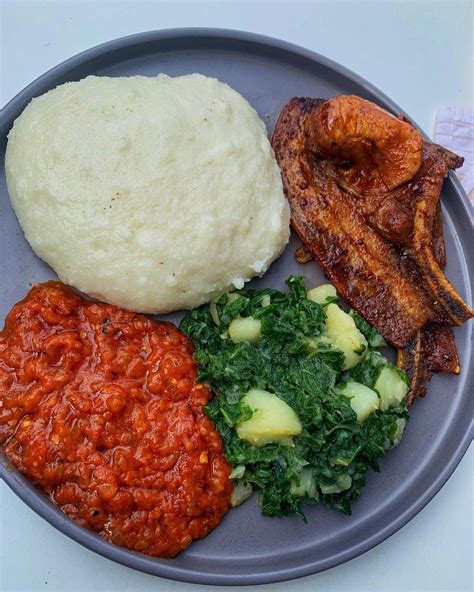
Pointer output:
x,y
391,387
273,420
363,400
245,329
320,294
342,331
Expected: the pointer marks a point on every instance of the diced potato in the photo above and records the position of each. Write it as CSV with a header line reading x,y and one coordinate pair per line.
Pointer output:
x,y
321,293
245,329
343,482
342,331
391,387
363,399
273,421
266,300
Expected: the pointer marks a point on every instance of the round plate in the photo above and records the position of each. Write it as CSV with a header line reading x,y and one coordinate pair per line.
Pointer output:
x,y
248,548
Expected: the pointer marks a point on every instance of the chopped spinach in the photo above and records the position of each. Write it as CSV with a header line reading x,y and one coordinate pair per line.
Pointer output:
x,y
330,458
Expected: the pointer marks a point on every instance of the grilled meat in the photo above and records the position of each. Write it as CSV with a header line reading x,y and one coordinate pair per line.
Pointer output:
x,y
364,190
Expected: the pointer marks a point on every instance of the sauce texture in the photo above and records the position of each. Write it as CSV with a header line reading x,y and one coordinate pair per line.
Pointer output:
x,y
100,408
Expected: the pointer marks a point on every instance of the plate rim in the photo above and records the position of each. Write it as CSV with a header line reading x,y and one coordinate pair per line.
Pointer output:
x,y
41,505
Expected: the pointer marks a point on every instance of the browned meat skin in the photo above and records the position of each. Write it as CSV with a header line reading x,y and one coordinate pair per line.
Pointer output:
x,y
439,349
363,267
375,246
426,189
371,150
411,360
404,217
453,161
433,349
436,344
407,218
438,246
439,345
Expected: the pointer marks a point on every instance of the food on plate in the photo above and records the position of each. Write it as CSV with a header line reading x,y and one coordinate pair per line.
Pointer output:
x,y
306,407
341,330
302,255
158,194
272,420
433,348
101,409
151,193
364,191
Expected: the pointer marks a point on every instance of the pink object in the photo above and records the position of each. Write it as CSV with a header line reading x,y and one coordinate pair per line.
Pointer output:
x,y
454,129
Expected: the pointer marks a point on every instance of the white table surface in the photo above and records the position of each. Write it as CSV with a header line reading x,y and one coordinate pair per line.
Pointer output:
x,y
417,52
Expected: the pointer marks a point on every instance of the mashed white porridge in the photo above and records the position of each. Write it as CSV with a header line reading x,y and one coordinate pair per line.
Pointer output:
x,y
154,194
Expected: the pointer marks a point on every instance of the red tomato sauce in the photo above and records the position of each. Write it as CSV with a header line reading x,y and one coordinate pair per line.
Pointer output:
x,y
100,408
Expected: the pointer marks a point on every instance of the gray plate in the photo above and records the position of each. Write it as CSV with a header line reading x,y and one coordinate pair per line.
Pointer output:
x,y
247,548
